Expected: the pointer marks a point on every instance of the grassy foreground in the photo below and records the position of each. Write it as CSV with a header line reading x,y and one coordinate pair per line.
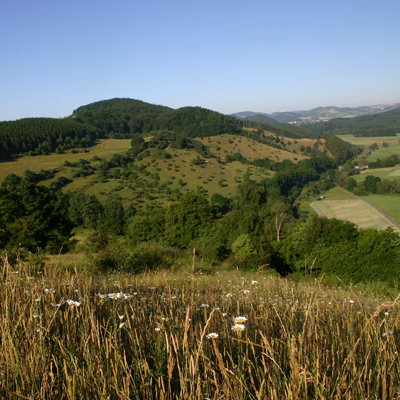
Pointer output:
x,y
70,335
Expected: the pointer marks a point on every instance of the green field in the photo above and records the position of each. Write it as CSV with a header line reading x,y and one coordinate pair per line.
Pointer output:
x,y
382,152
366,141
390,204
332,194
356,211
391,173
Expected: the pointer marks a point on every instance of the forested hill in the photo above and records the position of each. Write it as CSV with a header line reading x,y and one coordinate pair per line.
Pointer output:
x,y
124,118
384,124
44,135
121,118
130,106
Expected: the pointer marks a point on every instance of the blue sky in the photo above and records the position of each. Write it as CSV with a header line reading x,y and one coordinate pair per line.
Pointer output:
x,y
228,56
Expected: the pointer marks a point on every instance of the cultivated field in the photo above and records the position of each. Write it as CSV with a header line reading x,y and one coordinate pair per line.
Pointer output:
x,y
185,335
390,204
356,211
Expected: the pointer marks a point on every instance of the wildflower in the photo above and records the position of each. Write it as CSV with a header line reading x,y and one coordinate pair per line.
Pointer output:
x,y
205,305
240,320
212,335
386,313
73,303
351,301
157,329
35,316
120,316
238,327
121,325
254,282
246,291
55,304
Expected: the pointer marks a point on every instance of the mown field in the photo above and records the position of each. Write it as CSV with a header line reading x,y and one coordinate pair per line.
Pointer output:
x,y
189,335
390,204
356,211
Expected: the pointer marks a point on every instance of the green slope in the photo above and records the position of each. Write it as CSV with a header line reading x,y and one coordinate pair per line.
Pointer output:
x,y
384,124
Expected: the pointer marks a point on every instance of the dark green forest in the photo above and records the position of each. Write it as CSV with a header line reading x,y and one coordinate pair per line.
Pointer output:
x,y
44,135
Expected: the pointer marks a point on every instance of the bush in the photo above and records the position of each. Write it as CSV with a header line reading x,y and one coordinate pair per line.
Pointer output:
x,y
115,257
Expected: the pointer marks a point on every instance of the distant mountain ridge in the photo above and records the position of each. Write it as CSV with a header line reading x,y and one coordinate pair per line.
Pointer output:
x,y
318,114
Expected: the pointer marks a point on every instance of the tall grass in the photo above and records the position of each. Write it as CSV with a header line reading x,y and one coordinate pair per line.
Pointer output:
x,y
146,337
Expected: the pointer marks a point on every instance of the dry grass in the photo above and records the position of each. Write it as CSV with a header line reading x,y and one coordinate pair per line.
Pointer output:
x,y
300,341
249,148
104,149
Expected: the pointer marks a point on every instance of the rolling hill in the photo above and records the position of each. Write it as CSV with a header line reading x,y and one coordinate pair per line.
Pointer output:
x,y
317,114
383,124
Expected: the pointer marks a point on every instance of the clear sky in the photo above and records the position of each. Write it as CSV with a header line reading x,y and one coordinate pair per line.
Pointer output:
x,y
228,56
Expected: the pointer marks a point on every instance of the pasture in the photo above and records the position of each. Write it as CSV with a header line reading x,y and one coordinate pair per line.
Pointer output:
x,y
367,141
251,149
356,211
390,173
189,335
104,149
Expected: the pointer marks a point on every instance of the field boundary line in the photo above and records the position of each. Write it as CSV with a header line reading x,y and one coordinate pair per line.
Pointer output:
x,y
372,204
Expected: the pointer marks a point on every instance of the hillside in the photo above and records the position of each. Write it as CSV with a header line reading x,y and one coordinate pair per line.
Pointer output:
x,y
159,175
317,114
383,124
44,135
261,118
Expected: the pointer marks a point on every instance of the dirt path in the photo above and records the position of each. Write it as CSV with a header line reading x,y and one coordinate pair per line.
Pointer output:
x,y
297,199
373,205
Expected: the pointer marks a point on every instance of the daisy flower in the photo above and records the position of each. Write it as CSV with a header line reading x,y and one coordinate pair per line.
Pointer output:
x,y
212,335
240,320
238,327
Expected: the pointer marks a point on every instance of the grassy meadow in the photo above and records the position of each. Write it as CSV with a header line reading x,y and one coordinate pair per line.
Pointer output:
x,y
104,149
251,149
367,141
356,211
390,204
140,186
190,335
381,152
390,173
